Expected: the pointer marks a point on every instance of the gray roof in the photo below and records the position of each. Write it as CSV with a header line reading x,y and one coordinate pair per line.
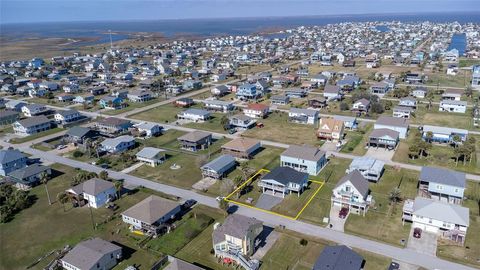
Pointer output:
x,y
344,118
9,155
441,211
78,131
8,113
149,152
454,102
93,186
403,109
444,130
217,102
113,121
381,132
117,140
220,163
196,112
34,106
33,121
443,176
151,209
392,121
358,181
279,98
86,254
147,125
332,89
234,225
67,112
307,112
29,171
285,175
177,264
338,258
304,152
194,136
367,163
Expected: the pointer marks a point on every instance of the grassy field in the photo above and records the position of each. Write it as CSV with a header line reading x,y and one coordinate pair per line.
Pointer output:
x,y
439,155
50,227
132,106
274,130
470,252
213,124
162,114
35,136
464,62
292,204
383,221
356,141
462,79
445,119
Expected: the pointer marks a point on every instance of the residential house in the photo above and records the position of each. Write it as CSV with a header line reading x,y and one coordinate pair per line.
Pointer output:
x,y
118,144
442,184
196,140
450,221
79,135
303,116
241,121
332,92
112,103
11,160
372,169
262,86
352,191
94,192
248,91
402,112
65,97
112,125
218,105
84,99
443,134
361,106
319,79
339,258
192,85
305,159
317,103
419,92
30,176
330,129
284,180
151,156
8,117
236,239
149,130
218,167
476,77
453,106
34,110
256,110
476,116
140,95
220,90
380,88
92,254
194,115
452,94
68,116
244,148
408,102
384,137
151,215
452,70
279,100
372,61
32,125
296,93
349,122
401,125
15,105
184,102
414,78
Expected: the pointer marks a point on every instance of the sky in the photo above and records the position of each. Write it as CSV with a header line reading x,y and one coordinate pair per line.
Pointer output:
x,y
23,11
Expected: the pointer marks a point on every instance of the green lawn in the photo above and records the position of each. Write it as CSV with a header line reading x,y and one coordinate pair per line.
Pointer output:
x,y
35,136
292,204
42,228
274,129
356,141
465,62
439,156
445,119
213,124
462,79
162,114
132,106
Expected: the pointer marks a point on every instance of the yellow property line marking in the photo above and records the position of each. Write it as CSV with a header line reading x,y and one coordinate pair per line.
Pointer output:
x,y
268,211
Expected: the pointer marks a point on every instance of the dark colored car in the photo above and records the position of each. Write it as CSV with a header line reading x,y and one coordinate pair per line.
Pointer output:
x,y
417,232
189,203
394,266
343,212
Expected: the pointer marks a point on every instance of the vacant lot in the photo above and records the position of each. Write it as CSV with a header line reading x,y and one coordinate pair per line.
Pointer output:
x,y
132,106
356,141
35,136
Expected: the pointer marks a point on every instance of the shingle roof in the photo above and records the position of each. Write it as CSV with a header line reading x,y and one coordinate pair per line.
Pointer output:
x,y
443,176
234,225
9,155
332,89
286,175
357,180
112,121
33,121
149,152
177,264
151,209
392,121
380,132
241,144
338,258
29,171
304,111
86,254
220,163
93,186
78,131
117,140
304,152
442,211
196,112
194,136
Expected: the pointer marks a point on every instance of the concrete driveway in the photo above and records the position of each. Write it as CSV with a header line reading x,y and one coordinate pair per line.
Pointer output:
x,y
337,223
380,153
267,201
329,146
267,238
426,244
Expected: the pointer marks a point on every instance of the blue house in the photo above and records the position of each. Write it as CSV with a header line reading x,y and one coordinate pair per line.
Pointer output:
x,y
36,62
248,91
11,160
442,184
118,144
443,134
109,102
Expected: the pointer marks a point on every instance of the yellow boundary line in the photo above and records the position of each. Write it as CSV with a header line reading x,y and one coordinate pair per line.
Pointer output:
x,y
268,211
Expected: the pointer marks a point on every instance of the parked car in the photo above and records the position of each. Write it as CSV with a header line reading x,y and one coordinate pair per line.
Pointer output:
x,y
61,146
417,232
219,198
343,212
394,266
189,203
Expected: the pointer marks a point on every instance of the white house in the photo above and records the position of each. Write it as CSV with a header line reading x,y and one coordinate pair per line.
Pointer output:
x,y
306,159
33,110
332,92
453,106
151,156
118,144
400,125
96,192
352,191
92,254
67,116
194,115
149,129
303,116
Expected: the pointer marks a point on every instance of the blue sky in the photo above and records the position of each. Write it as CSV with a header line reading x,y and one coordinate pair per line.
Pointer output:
x,y
13,11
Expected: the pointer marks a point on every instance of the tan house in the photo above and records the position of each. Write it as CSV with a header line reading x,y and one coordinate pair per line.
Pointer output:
x,y
330,129
241,148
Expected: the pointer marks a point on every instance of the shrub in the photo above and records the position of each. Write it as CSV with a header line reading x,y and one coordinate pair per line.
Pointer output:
x,y
303,242
77,154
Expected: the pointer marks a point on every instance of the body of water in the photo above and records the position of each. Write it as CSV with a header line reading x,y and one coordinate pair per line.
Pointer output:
x,y
205,27
382,28
459,42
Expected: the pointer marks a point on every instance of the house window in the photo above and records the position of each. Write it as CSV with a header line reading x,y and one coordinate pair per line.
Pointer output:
x,y
456,190
347,188
430,220
439,187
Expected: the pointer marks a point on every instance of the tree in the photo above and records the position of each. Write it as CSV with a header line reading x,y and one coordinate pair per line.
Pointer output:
x,y
344,106
118,184
63,198
429,136
430,97
377,107
456,140
103,175
413,150
223,204
469,91
224,122
395,195
44,177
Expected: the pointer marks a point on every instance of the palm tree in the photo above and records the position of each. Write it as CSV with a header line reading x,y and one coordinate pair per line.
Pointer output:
x,y
429,136
44,177
118,184
63,198
395,196
223,204
103,175
224,122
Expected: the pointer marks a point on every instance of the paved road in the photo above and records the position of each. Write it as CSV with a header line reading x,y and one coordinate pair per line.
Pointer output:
x,y
404,255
